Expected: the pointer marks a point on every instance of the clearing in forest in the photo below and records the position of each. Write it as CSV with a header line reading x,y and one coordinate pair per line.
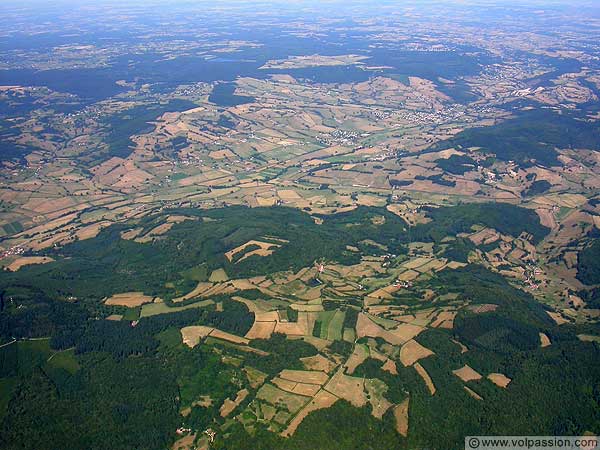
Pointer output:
x,y
544,340
483,308
463,347
264,249
218,276
27,260
128,299
153,309
401,416
557,317
194,334
466,373
499,379
426,378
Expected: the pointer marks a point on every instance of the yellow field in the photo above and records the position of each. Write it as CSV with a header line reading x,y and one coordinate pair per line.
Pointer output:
x,y
304,376
466,373
499,379
445,319
557,317
366,327
426,378
129,299
265,250
194,334
360,354
401,416
544,340
407,331
27,260
347,388
412,352
223,335
229,405
115,317
305,389
261,330
390,366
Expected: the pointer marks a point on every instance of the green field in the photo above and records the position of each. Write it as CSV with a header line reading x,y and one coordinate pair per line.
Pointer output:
x,y
13,228
153,309
322,324
218,276
336,323
64,360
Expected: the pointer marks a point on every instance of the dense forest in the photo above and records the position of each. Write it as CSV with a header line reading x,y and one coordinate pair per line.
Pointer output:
x,y
531,138
588,263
